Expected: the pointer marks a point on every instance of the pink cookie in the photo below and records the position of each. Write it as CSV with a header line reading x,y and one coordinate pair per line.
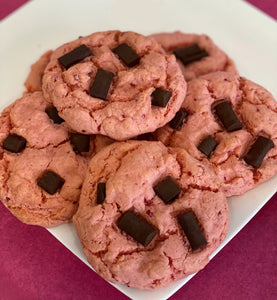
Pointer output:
x,y
48,148
123,177
255,109
33,82
106,84
216,60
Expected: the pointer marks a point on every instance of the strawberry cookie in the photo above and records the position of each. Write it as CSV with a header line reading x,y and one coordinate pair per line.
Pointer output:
x,y
119,84
232,122
149,215
196,53
33,81
42,163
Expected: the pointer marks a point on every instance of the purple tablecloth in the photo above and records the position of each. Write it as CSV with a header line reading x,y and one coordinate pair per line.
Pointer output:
x,y
34,265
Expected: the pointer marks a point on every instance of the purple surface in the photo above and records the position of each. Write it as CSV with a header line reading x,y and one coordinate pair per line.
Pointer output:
x,y
8,6
34,265
267,6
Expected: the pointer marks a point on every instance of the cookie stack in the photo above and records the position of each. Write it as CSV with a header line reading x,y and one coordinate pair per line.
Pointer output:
x,y
138,140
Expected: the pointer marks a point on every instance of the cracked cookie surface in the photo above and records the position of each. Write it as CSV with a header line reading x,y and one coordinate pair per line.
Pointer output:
x,y
127,110
48,148
130,170
216,61
254,106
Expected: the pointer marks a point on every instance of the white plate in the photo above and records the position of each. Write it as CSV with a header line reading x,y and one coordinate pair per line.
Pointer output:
x,y
246,34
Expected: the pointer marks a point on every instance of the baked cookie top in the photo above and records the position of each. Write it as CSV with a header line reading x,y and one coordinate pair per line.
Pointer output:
x,y
119,84
139,205
41,166
196,54
252,115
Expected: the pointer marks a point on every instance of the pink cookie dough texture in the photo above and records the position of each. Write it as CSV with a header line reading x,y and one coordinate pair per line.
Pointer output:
x,y
33,82
216,61
131,169
256,109
48,148
127,111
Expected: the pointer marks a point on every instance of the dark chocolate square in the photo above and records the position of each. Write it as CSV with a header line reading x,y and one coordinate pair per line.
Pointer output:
x,y
52,113
192,230
168,190
75,56
14,143
50,182
258,151
80,142
101,192
101,84
190,54
207,145
160,97
127,55
227,116
137,227
179,119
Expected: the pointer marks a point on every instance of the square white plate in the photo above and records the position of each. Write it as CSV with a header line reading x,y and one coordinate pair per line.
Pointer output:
x,y
247,35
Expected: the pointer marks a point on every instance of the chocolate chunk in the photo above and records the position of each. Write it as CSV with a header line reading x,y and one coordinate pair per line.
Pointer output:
x,y
258,151
14,143
101,192
177,122
80,142
160,97
192,230
137,227
50,182
73,57
190,54
53,115
168,190
127,55
101,84
227,116
207,145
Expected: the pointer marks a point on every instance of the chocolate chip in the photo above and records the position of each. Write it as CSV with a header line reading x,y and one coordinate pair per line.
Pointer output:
x,y
101,84
80,142
14,143
127,55
50,182
190,54
53,115
73,57
177,122
160,97
101,192
227,116
258,151
168,190
137,227
192,230
207,145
